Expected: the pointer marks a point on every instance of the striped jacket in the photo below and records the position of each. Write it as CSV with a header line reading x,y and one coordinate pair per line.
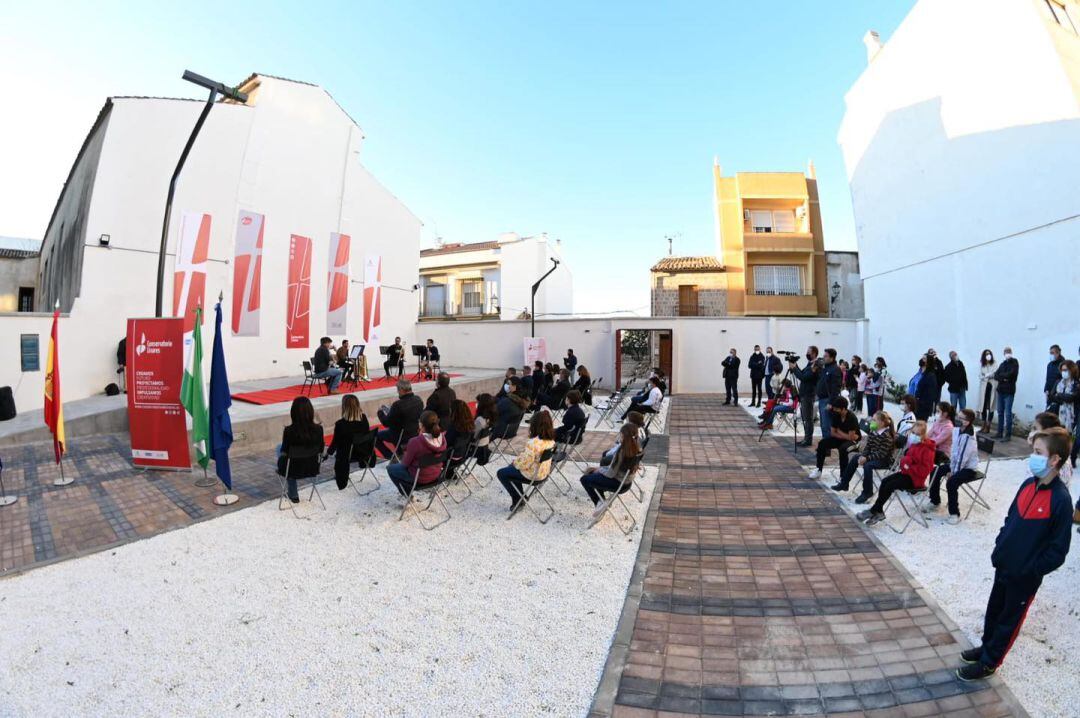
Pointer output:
x,y
879,446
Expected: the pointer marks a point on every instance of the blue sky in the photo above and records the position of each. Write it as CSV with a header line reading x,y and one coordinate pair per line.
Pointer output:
x,y
594,122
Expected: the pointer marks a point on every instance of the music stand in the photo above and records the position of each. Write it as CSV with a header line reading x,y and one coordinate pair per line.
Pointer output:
x,y
5,500
420,352
355,352
385,351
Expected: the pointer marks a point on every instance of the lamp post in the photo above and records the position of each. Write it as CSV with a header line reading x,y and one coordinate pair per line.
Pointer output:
x,y
833,296
215,88
536,286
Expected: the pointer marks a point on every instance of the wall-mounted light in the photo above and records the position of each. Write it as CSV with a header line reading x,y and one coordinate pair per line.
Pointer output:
x,y
835,292
103,240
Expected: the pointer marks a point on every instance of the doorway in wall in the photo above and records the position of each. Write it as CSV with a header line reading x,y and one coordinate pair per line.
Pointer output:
x,y
638,351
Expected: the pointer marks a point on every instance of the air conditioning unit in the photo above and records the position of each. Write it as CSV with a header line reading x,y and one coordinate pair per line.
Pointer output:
x,y
746,215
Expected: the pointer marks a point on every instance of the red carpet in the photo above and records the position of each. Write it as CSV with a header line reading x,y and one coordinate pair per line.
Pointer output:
x,y
288,393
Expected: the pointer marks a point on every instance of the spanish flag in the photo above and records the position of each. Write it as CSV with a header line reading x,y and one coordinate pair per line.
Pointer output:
x,y
54,408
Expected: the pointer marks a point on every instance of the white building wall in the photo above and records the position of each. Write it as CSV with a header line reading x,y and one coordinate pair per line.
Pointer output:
x,y
962,151
294,157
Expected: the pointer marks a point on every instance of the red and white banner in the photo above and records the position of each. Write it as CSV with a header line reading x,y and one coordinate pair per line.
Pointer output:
x,y
298,296
247,275
189,274
372,298
535,350
155,371
337,284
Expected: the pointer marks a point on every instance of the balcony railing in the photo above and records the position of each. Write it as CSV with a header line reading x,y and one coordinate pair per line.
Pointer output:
x,y
456,311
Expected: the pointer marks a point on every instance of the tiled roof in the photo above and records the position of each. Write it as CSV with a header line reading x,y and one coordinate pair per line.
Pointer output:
x,y
688,264
455,248
6,253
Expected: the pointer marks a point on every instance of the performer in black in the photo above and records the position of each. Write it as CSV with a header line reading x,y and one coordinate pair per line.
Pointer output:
x,y
395,356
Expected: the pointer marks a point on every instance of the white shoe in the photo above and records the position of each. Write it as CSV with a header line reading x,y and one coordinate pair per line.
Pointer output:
x,y
815,474
600,509
929,508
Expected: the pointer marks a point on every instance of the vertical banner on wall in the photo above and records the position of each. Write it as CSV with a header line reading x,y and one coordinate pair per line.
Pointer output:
x,y
337,284
155,371
535,350
372,298
247,275
298,296
189,274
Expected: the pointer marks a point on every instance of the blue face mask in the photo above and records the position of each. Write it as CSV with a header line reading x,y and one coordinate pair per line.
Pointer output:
x,y
1039,465
914,439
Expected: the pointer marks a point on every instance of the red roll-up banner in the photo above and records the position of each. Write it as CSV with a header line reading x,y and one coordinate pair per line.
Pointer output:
x,y
155,370
298,296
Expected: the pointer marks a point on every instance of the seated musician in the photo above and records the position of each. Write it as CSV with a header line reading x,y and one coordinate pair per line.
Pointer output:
x,y
395,356
321,364
429,363
341,357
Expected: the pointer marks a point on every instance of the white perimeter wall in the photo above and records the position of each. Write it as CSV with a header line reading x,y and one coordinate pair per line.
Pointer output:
x,y
698,343
962,145
294,157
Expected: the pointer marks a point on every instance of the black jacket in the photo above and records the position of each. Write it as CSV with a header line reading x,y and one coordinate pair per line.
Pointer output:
x,y
756,365
956,376
1034,539
403,416
341,448
321,360
1053,374
926,395
773,365
507,412
574,420
808,379
828,383
295,436
439,402
731,367
1006,375
934,364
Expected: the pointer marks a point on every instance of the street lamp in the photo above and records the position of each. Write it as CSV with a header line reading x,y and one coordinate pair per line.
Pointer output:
x,y
215,88
536,286
833,296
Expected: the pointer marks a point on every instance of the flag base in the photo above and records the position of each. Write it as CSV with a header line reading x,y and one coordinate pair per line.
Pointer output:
x,y
8,500
63,481
225,499
205,482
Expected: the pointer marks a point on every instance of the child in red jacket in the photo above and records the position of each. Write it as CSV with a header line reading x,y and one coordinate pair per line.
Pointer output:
x,y
915,467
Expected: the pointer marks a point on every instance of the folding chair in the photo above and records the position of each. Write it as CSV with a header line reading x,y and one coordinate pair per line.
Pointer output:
x,y
433,489
562,454
605,507
500,443
310,380
533,488
298,453
362,449
912,503
472,460
573,445
985,445
459,452
782,420
395,455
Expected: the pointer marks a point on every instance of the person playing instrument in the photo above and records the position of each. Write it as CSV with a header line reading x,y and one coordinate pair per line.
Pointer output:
x,y
395,356
429,360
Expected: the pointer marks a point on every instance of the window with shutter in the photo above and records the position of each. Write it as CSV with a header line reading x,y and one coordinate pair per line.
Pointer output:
x,y
777,280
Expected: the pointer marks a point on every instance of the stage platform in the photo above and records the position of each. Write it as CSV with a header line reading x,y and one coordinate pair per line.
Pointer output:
x,y
255,426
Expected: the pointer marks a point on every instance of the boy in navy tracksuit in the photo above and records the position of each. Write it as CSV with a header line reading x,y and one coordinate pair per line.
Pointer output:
x,y
1032,543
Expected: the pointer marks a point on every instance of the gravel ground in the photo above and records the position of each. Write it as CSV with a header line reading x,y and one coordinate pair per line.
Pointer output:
x,y
345,612
953,563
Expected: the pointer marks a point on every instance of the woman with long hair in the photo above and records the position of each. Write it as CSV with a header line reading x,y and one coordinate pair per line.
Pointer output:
x,y
598,481
486,416
584,381
430,440
352,423
987,388
527,467
303,432
962,467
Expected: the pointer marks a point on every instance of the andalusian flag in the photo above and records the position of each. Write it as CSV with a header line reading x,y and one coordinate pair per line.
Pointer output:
x,y
54,408
193,392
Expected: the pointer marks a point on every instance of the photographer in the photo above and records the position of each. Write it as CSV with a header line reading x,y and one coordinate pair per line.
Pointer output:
x,y
808,380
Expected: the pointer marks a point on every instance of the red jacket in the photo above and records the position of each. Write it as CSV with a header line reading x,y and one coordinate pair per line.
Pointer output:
x,y
917,462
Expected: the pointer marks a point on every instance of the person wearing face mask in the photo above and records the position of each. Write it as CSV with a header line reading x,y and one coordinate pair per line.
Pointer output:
x,y
731,377
1005,376
962,467
907,420
956,378
933,363
807,377
1053,372
506,388
773,367
828,390
877,453
926,390
1066,393
843,435
876,381
756,364
987,389
915,466
1033,542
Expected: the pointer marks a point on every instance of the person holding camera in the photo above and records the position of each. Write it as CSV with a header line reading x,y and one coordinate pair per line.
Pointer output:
x,y
808,379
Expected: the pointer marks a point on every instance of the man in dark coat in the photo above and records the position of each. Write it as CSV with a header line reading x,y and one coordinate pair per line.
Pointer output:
x,y
1005,376
731,377
1053,373
401,420
935,366
956,378
757,375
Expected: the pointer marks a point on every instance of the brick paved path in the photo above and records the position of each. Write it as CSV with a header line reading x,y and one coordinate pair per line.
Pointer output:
x,y
760,596
111,503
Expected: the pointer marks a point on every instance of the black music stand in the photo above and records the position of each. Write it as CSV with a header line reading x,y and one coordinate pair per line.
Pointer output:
x,y
385,351
355,352
420,352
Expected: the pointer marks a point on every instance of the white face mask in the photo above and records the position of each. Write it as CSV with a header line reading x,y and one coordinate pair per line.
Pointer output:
x,y
1008,355
1065,374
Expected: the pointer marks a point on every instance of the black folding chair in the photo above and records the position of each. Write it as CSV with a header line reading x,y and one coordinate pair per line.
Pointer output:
x,y
472,458
501,441
432,489
362,450
455,464
625,483
533,487
310,380
298,453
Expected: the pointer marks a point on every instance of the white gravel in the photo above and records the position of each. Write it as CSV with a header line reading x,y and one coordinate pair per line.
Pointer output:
x,y
345,612
953,563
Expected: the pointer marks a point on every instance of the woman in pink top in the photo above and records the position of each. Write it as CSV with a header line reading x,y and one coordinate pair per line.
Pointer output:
x,y
429,441
941,432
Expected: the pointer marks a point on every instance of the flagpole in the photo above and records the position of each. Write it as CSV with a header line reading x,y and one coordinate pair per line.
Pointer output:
x,y
52,390
218,380
5,499
62,481
205,482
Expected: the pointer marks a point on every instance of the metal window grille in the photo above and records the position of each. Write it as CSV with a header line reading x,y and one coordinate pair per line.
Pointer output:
x,y
777,280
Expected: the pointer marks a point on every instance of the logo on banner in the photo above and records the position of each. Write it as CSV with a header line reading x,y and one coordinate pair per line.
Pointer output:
x,y
156,420
298,294
247,275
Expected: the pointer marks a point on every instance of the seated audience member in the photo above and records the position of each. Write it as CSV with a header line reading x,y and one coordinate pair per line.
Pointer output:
x,y
775,381
784,401
526,463
635,419
963,463
486,417
322,367
877,453
651,401
915,467
941,431
399,420
511,373
598,481
843,434
428,440
663,380
303,432
527,381
553,397
459,433
907,421
352,423
395,356
441,399
574,420
510,408
584,381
